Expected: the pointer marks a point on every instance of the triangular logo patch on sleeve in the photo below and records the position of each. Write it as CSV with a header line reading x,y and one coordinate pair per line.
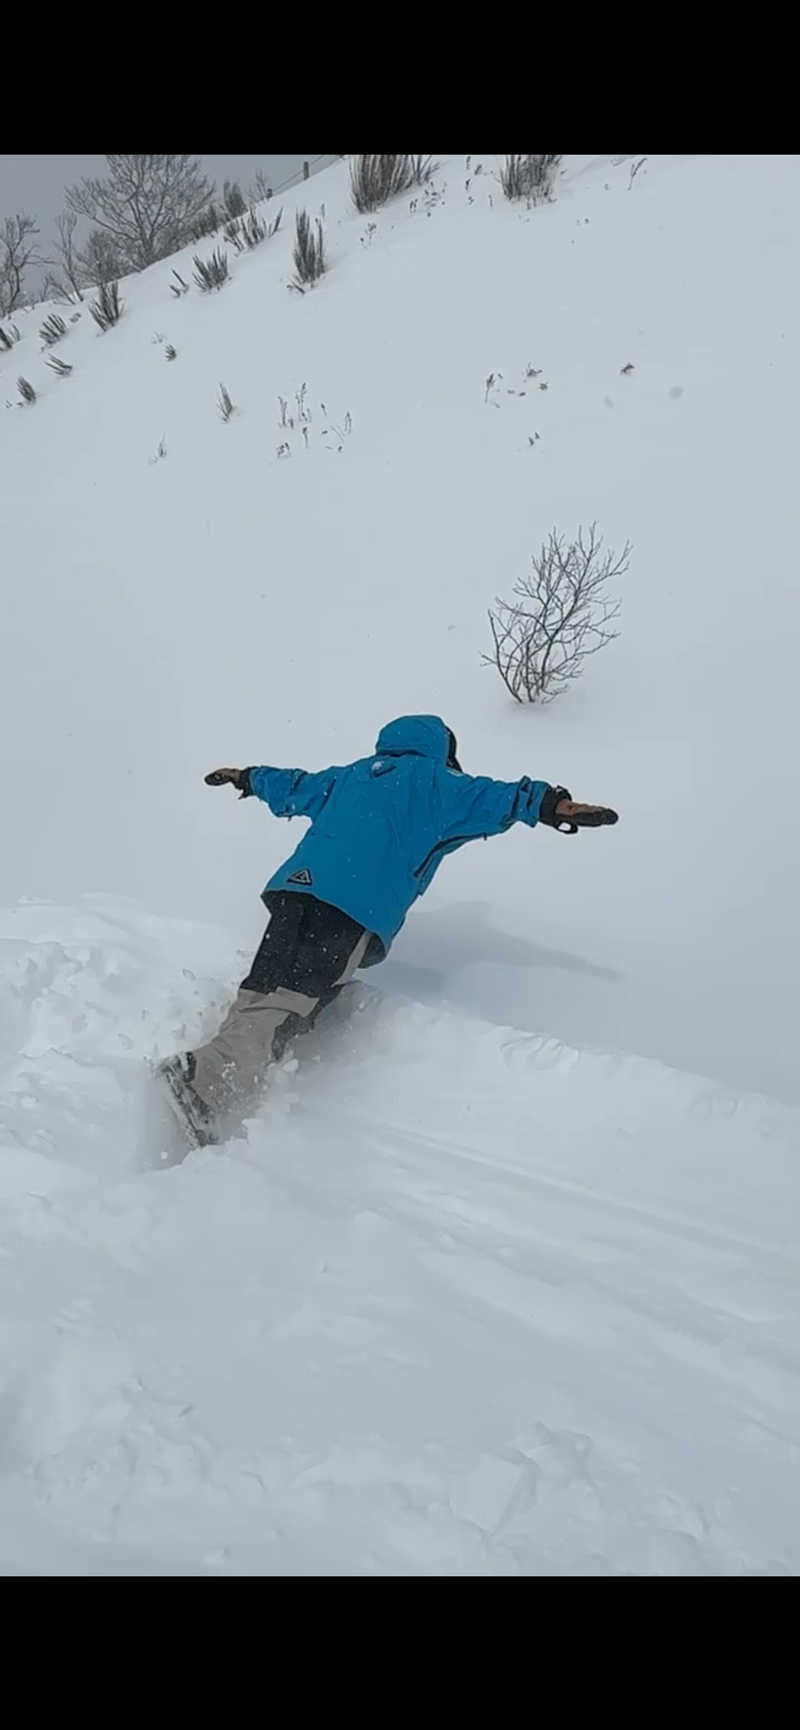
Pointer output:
x,y
302,876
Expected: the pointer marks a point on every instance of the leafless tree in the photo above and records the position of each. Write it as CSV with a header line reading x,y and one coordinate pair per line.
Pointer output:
x,y
529,177
54,289
65,257
17,250
309,252
559,616
207,223
147,204
375,179
98,261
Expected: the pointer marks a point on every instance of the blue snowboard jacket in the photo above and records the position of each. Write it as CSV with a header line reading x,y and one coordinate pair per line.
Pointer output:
x,y
381,827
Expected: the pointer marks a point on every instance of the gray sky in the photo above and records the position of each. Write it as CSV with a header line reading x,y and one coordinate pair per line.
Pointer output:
x,y
35,184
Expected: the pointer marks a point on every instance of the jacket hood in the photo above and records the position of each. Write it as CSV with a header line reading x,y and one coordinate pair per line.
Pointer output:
x,y
422,735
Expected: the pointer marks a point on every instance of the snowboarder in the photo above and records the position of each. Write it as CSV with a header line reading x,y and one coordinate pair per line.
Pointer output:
x,y
380,828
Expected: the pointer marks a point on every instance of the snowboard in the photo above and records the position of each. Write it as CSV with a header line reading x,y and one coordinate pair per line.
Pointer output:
x,y
195,1131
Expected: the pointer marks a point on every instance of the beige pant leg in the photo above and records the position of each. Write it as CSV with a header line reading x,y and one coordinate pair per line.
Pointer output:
x,y
232,1066
233,1063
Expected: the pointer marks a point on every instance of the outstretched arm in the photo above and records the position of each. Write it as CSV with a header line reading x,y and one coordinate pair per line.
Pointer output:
x,y
287,792
474,805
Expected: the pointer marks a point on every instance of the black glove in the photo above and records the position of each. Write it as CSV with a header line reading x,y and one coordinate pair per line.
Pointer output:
x,y
239,778
572,817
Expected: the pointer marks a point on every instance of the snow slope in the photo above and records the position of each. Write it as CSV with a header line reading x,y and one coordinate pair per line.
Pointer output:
x,y
226,604
541,1321
465,1299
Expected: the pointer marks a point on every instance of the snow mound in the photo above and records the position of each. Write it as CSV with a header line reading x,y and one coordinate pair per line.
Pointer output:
x,y
462,1300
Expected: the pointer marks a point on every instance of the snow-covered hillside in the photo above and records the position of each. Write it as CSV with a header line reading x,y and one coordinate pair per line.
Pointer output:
x,y
465,1299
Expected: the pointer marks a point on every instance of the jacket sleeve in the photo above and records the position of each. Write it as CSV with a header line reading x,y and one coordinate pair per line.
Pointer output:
x,y
291,792
473,805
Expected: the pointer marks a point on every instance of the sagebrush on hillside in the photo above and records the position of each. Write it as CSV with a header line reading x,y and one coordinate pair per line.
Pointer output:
x,y
245,232
309,252
224,404
107,309
233,199
529,177
376,179
211,272
52,330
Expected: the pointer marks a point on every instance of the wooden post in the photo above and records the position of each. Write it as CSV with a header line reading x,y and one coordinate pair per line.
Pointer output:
x,y
305,170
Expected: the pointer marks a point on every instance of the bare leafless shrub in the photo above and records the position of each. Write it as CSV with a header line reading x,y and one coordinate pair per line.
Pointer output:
x,y
224,405
9,337
26,390
559,616
170,352
61,368
529,177
309,252
376,179
212,272
52,330
107,309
